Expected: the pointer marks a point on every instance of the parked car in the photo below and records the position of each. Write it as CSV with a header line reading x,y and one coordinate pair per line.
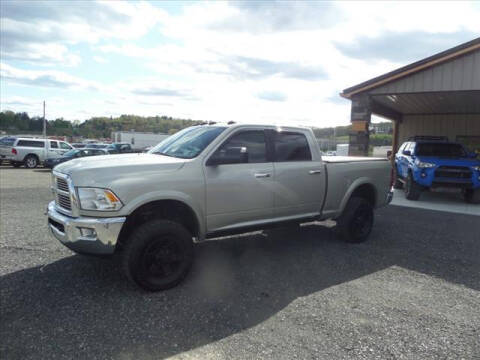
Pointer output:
x,y
32,152
73,154
119,148
6,143
426,162
204,182
97,146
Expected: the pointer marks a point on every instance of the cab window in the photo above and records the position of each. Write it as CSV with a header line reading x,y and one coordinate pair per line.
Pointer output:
x,y
254,142
53,145
291,146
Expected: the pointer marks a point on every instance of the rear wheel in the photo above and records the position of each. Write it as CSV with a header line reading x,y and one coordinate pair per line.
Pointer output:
x,y
472,196
356,222
31,162
412,189
158,255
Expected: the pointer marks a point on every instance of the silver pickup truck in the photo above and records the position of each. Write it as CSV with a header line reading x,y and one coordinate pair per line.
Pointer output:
x,y
204,182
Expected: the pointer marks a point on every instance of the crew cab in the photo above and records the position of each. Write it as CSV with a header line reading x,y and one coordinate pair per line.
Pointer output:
x,y
32,152
426,162
204,182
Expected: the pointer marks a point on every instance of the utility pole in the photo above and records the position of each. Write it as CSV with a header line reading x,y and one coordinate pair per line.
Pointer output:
x,y
44,122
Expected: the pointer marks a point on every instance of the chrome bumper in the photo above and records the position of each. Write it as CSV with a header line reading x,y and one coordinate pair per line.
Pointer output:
x,y
96,236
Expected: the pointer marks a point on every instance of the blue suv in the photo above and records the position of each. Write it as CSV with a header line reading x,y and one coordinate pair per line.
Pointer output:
x,y
425,162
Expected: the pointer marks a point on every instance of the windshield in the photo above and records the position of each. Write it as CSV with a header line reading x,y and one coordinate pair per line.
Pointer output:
x,y
188,143
71,153
440,149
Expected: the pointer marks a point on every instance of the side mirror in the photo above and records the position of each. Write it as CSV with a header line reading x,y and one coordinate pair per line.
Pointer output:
x,y
232,155
407,152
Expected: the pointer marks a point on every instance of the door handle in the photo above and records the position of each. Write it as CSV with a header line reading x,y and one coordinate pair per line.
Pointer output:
x,y
313,172
261,175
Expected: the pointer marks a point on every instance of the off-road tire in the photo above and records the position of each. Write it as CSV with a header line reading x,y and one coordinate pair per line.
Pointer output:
x,y
412,189
472,196
356,222
158,255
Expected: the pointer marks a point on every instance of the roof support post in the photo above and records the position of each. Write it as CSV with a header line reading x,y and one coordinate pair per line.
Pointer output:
x,y
360,117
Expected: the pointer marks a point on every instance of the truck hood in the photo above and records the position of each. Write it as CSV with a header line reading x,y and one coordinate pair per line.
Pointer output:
x,y
106,169
449,161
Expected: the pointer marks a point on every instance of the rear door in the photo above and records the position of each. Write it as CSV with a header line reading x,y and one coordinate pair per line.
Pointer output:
x,y
299,175
240,194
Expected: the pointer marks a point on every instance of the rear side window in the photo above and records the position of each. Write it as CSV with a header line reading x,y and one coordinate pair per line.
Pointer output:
x,y
291,146
53,145
31,143
253,140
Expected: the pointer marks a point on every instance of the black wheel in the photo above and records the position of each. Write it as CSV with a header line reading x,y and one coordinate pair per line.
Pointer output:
x,y
16,164
472,196
31,162
412,189
158,255
356,222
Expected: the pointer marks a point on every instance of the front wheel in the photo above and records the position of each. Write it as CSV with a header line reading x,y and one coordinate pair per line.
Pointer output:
x,y
158,255
356,222
412,189
472,196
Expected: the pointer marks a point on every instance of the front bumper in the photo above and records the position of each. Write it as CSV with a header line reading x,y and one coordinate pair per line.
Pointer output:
x,y
97,236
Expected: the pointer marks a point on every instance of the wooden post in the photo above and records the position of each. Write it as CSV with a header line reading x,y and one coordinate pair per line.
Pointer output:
x,y
361,114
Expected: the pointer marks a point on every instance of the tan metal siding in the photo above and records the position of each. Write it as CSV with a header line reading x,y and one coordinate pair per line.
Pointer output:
x,y
442,125
462,73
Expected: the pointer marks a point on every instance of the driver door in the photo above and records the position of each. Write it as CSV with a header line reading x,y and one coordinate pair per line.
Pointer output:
x,y
240,193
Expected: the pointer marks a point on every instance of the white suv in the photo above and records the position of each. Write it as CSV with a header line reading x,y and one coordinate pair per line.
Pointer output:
x,y
32,152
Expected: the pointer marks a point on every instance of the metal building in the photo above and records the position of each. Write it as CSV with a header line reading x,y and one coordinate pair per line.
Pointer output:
x,y
439,95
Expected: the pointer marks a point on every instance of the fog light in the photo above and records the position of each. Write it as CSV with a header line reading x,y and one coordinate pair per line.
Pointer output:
x,y
88,232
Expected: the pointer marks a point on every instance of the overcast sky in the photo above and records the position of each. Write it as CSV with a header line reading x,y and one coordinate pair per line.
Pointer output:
x,y
255,61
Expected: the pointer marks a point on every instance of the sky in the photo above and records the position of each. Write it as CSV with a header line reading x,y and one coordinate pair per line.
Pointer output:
x,y
279,62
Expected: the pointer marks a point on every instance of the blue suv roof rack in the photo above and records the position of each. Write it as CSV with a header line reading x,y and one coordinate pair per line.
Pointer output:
x,y
428,138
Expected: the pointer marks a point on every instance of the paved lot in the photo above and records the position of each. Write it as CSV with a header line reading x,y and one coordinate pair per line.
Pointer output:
x,y
411,292
449,200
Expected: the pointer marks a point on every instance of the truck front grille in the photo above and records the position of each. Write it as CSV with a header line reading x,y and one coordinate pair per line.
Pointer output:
x,y
62,184
64,202
453,172
62,194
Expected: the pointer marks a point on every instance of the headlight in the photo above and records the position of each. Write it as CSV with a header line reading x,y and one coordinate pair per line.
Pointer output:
x,y
476,168
421,164
98,199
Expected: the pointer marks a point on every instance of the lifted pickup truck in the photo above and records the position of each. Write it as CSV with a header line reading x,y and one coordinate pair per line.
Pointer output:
x,y
208,181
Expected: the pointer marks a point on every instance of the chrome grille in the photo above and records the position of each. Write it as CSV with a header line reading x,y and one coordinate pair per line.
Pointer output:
x,y
64,201
62,184
62,191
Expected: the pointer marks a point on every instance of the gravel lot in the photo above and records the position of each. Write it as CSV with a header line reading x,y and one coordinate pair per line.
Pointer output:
x,y
411,292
